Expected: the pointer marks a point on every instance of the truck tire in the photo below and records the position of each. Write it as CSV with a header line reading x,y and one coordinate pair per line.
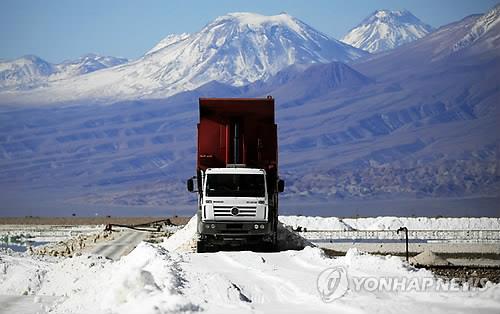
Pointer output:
x,y
201,247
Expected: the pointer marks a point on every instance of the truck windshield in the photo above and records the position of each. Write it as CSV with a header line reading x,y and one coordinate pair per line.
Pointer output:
x,y
230,185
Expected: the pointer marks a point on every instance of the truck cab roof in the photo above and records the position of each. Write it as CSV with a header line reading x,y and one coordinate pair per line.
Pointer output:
x,y
235,171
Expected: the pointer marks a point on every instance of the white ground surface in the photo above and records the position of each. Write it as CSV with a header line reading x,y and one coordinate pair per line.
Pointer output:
x,y
168,278
46,233
391,223
120,246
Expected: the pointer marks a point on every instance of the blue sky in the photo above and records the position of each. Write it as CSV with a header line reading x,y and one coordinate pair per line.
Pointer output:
x,y
57,30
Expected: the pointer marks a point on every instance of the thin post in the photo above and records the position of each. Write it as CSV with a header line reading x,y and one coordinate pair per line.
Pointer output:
x,y
406,235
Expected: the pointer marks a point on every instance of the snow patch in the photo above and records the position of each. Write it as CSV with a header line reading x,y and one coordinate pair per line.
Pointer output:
x,y
168,41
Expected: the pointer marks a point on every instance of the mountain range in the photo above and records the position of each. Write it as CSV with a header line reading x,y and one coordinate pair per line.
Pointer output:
x,y
417,121
236,49
31,72
385,29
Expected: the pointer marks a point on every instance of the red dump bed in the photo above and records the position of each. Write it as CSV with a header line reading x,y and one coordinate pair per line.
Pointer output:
x,y
237,131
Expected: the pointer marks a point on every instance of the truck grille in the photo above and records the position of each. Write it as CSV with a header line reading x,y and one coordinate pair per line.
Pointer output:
x,y
235,211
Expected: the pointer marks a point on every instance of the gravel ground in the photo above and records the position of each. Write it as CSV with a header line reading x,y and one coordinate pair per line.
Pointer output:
x,y
460,273
464,274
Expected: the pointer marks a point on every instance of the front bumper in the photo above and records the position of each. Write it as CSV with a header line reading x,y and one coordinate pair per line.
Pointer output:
x,y
233,228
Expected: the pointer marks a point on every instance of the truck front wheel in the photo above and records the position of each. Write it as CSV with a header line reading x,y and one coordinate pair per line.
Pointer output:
x,y
201,247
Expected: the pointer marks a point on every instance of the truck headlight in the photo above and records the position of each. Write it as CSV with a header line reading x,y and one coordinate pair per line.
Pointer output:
x,y
261,226
256,226
212,226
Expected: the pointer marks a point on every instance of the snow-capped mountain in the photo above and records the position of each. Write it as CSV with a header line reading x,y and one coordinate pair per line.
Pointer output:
x,y
167,41
486,24
234,49
239,48
30,71
385,29
24,72
89,63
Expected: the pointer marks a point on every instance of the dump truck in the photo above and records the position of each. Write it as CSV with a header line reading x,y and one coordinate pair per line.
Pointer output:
x,y
237,174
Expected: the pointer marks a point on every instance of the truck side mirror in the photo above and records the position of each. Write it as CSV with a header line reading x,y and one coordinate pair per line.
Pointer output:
x,y
281,185
190,185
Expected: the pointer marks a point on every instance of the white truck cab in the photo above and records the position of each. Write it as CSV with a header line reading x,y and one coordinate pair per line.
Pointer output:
x,y
234,194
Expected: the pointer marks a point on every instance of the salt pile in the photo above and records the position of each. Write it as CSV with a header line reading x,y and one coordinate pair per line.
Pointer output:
x,y
184,240
315,223
392,223
289,240
429,258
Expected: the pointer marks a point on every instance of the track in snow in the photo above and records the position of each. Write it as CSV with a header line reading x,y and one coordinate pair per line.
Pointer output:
x,y
119,247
